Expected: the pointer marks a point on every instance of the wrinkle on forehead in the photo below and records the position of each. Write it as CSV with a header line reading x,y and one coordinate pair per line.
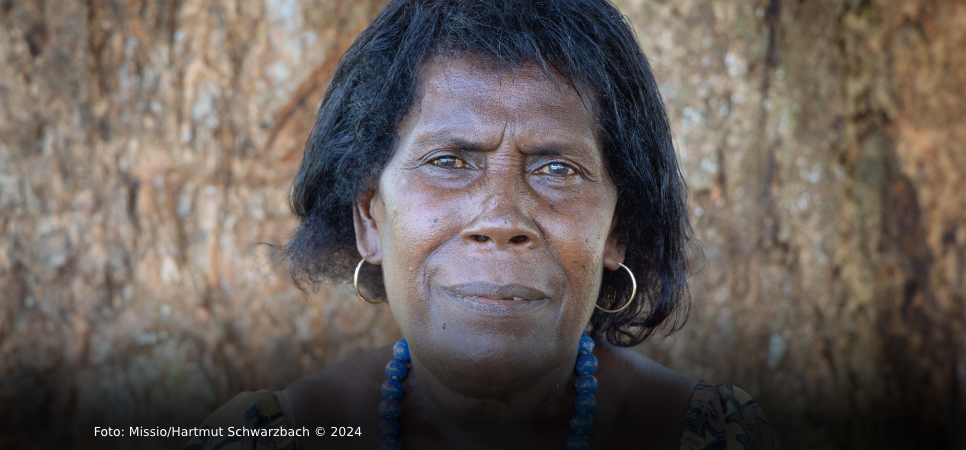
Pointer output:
x,y
506,72
488,86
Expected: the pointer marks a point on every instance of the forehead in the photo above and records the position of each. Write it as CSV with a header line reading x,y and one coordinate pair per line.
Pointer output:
x,y
460,70
469,91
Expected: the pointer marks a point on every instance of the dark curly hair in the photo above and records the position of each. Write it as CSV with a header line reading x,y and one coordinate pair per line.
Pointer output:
x,y
592,46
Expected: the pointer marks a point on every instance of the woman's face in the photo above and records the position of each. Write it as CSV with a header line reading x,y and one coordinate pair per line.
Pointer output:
x,y
493,222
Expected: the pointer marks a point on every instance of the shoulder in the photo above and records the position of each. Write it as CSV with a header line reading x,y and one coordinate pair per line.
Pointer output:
x,y
636,370
338,388
248,410
723,416
344,394
648,398
337,395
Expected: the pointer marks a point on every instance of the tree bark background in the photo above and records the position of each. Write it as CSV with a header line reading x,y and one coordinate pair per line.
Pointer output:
x,y
146,148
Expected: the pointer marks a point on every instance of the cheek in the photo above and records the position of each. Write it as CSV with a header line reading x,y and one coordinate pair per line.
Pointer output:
x,y
417,223
580,243
580,234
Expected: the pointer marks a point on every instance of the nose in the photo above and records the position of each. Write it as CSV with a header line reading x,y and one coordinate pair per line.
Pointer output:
x,y
503,224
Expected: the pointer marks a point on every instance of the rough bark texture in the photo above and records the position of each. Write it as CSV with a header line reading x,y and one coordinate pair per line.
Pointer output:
x,y
146,148
828,190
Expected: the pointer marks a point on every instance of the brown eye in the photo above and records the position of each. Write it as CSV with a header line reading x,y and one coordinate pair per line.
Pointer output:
x,y
449,162
557,169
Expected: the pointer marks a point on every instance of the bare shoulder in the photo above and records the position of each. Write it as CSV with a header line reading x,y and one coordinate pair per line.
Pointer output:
x,y
342,395
647,398
641,371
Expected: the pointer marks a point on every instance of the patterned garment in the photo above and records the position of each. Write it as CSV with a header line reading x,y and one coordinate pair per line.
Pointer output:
x,y
726,417
251,410
720,417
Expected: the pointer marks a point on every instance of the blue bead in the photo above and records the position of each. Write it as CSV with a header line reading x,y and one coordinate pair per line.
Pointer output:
x,y
584,384
577,442
581,423
397,370
400,350
586,345
389,428
390,444
585,403
586,364
394,389
391,409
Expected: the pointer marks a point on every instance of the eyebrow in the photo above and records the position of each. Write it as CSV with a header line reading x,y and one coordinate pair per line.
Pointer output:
x,y
446,140
555,150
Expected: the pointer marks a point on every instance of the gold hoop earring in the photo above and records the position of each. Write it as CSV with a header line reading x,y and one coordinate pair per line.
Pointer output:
x,y
629,300
355,282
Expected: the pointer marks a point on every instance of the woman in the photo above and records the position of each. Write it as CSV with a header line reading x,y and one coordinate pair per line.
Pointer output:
x,y
505,172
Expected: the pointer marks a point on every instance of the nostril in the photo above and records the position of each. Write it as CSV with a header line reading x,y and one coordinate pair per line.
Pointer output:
x,y
481,238
519,239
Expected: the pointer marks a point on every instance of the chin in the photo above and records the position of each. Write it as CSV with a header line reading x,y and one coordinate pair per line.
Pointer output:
x,y
470,358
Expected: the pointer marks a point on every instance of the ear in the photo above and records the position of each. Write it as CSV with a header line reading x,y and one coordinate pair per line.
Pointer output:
x,y
365,211
614,249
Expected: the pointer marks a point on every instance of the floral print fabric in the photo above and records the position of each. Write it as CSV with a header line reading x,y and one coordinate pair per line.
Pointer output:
x,y
726,417
253,410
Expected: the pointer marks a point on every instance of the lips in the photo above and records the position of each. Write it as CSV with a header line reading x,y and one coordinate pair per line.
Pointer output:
x,y
497,298
483,289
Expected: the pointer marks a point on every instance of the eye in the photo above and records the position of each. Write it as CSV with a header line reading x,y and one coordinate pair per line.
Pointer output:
x,y
449,162
557,169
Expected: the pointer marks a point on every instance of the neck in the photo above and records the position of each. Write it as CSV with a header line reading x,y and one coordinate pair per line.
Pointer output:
x,y
462,408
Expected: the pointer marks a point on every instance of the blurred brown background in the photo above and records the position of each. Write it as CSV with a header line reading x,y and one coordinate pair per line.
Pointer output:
x,y
146,148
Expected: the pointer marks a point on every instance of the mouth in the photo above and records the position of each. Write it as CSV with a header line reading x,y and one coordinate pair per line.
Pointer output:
x,y
493,298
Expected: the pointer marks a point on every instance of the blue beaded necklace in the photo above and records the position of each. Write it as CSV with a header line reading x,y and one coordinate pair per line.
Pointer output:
x,y
398,367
